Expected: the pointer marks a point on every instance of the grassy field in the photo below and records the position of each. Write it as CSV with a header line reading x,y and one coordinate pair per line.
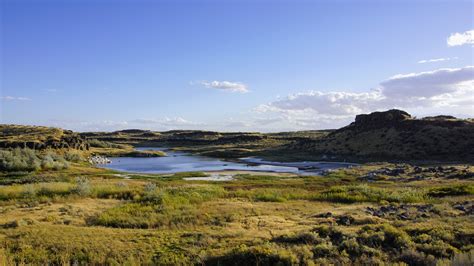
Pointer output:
x,y
84,215
57,209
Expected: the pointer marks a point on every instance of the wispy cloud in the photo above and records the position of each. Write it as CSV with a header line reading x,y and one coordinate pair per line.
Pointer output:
x,y
436,60
224,85
457,39
12,98
168,122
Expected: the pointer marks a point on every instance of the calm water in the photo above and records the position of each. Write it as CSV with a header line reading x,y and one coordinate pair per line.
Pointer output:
x,y
185,162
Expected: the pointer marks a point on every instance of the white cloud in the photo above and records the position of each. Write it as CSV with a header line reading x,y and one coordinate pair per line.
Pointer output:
x,y
334,103
443,91
436,60
173,122
426,84
11,98
225,85
457,39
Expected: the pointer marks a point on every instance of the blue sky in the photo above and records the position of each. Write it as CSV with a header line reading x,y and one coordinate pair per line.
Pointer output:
x,y
232,65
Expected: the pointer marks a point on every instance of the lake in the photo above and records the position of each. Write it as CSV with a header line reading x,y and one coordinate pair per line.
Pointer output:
x,y
177,161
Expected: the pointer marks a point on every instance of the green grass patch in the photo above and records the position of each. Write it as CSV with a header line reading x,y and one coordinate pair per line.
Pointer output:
x,y
459,190
365,193
186,174
158,207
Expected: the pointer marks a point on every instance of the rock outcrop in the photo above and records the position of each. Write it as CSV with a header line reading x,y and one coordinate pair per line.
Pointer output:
x,y
380,119
396,135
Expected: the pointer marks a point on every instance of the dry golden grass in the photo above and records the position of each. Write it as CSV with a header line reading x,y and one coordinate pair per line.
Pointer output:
x,y
19,133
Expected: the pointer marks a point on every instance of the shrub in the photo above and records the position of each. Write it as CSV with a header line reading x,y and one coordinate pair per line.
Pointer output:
x,y
384,236
301,238
325,250
258,255
438,248
116,191
149,188
82,187
29,192
103,144
330,232
172,255
354,249
415,258
463,258
29,160
53,161
73,156
19,160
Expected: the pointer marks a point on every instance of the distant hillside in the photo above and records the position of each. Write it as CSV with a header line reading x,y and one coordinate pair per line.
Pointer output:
x,y
395,134
391,135
38,137
176,137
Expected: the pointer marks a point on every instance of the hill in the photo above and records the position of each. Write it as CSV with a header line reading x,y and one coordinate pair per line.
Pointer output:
x,y
396,135
38,137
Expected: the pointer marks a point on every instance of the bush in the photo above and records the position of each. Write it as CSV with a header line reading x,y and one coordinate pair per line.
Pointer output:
x,y
29,192
258,255
414,258
53,161
438,248
103,144
172,255
73,156
117,191
30,160
352,247
325,250
82,187
301,238
19,160
330,232
385,237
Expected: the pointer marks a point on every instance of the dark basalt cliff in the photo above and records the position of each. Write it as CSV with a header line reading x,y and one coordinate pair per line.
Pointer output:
x,y
381,119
